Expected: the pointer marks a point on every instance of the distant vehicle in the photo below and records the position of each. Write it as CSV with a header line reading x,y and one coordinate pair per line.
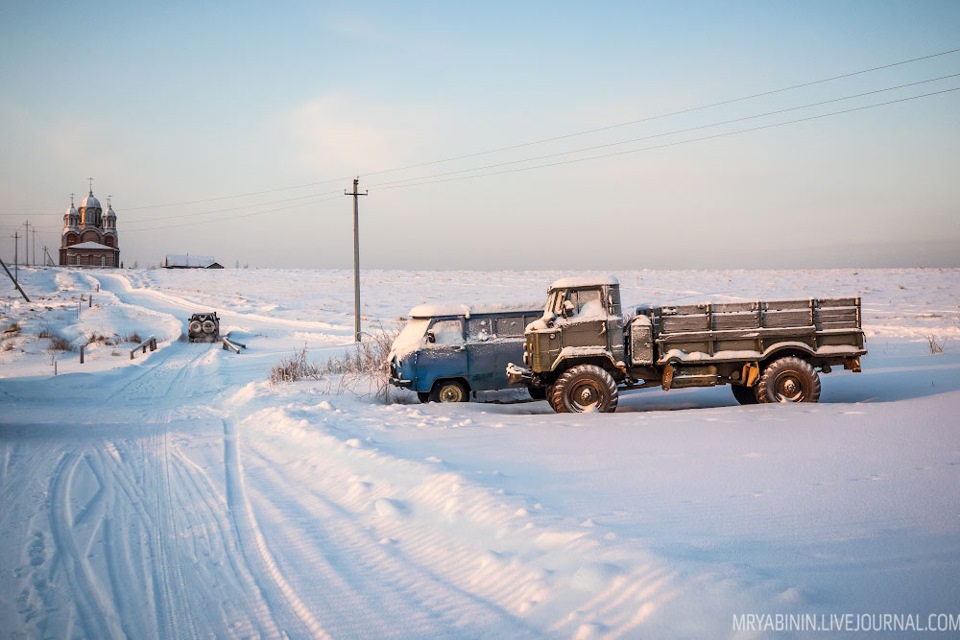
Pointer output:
x,y
445,354
584,351
203,327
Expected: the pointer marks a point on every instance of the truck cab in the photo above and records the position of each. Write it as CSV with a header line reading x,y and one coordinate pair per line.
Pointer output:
x,y
582,320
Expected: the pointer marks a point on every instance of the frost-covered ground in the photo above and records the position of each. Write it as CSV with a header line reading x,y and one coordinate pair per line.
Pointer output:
x,y
179,494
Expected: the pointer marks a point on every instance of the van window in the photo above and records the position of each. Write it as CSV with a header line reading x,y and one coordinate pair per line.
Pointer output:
x,y
507,327
479,330
447,332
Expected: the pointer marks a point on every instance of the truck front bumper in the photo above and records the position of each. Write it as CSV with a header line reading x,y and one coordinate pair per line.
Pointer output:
x,y
520,375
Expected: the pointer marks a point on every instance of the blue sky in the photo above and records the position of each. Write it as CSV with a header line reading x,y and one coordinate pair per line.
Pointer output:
x,y
232,130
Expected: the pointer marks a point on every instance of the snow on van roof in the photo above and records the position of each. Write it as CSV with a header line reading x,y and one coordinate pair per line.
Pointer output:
x,y
584,281
435,310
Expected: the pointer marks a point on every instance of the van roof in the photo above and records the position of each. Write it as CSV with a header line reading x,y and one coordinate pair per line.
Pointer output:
x,y
436,310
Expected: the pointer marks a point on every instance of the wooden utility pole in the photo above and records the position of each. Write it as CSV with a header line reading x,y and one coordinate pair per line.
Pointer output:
x,y
16,257
356,256
26,244
15,283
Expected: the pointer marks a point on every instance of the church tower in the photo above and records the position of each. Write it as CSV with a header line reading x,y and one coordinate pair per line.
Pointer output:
x,y
89,237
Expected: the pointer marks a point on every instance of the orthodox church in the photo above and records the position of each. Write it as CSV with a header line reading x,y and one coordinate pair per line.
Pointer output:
x,y
89,236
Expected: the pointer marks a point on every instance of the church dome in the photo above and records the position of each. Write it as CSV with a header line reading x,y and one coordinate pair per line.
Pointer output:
x,y
90,202
72,211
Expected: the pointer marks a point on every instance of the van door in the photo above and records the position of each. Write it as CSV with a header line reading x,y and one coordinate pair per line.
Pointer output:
x,y
444,354
485,356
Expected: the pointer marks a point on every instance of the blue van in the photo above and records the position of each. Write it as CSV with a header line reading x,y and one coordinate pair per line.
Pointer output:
x,y
447,354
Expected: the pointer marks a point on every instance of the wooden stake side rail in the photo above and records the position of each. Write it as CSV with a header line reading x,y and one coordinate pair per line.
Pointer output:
x,y
150,342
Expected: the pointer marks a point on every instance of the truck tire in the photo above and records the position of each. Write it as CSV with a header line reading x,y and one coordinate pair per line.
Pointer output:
x,y
195,327
585,388
789,380
744,395
423,396
538,393
549,392
449,391
209,326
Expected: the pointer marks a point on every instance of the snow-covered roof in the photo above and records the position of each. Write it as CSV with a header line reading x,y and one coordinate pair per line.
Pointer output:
x,y
436,310
89,245
584,281
196,262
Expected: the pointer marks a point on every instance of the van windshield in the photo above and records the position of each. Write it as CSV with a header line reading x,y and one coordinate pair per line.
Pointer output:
x,y
411,337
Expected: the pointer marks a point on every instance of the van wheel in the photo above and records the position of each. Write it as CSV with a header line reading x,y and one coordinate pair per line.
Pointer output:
x,y
744,395
789,380
423,396
585,388
449,391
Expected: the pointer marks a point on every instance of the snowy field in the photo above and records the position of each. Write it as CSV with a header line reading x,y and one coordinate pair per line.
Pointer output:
x,y
181,495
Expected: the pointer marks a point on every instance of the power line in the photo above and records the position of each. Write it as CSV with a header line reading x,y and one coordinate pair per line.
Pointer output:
x,y
227,219
565,136
669,133
428,179
245,206
670,114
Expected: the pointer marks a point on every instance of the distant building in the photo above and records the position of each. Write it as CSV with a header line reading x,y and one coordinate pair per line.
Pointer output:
x,y
190,262
89,237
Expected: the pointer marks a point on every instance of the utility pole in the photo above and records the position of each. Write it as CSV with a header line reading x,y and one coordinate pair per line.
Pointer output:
x,y
26,244
16,257
356,256
34,245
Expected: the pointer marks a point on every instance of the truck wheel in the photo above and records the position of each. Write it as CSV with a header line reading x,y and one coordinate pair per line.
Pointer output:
x,y
449,391
549,391
744,395
585,388
789,380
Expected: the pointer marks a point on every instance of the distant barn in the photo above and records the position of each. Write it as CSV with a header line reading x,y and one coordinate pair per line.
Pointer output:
x,y
191,262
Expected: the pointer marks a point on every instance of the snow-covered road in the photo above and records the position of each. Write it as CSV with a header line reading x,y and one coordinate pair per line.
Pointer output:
x,y
180,495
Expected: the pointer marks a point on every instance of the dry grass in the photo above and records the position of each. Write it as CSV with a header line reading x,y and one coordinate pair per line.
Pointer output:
x,y
936,344
58,343
366,362
295,368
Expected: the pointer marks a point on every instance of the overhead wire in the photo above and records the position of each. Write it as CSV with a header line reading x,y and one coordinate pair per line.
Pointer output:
x,y
669,133
681,142
564,136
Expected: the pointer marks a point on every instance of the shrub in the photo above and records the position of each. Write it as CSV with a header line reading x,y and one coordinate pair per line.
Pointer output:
x,y
936,344
295,368
12,330
59,343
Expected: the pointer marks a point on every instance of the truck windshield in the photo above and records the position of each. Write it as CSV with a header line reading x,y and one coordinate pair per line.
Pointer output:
x,y
411,337
586,302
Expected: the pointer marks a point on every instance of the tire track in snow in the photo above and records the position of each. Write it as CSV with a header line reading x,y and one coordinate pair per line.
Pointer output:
x,y
271,582
95,612
372,582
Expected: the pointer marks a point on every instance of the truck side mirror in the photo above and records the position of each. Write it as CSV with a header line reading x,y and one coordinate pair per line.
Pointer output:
x,y
568,308
431,337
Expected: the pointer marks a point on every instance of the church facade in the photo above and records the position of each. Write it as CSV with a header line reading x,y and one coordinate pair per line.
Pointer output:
x,y
89,237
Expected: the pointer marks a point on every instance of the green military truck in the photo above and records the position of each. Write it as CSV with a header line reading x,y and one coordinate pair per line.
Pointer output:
x,y
584,350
